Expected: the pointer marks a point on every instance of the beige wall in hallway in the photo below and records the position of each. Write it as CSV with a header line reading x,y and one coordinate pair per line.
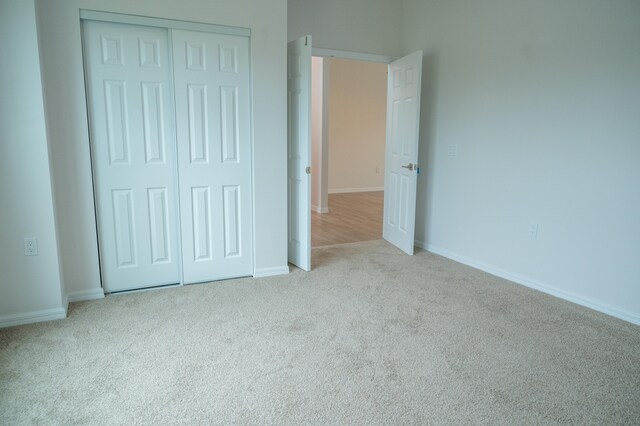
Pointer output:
x,y
357,125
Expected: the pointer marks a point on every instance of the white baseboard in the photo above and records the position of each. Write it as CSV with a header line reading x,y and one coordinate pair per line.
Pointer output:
x,y
31,317
318,209
596,305
79,296
349,190
270,272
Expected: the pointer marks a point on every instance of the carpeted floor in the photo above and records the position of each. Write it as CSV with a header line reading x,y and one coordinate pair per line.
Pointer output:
x,y
371,336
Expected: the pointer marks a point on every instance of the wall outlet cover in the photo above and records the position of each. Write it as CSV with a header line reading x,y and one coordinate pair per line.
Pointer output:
x,y
30,246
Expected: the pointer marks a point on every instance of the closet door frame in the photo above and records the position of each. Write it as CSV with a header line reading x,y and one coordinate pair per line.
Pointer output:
x,y
169,25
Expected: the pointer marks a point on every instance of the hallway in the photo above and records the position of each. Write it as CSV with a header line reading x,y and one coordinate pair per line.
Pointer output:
x,y
352,217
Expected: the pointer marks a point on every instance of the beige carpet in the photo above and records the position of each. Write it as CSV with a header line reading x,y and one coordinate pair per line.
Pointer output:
x,y
371,336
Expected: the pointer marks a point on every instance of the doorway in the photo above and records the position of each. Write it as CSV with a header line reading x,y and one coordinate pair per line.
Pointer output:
x,y
401,148
348,134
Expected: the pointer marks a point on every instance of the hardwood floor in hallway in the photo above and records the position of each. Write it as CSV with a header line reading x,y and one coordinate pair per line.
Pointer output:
x,y
352,217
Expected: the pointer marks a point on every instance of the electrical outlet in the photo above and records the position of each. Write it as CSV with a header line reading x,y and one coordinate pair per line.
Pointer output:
x,y
30,246
533,230
453,150
377,170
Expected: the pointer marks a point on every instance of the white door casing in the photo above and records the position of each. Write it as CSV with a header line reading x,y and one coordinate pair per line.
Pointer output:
x,y
212,82
299,152
133,154
401,151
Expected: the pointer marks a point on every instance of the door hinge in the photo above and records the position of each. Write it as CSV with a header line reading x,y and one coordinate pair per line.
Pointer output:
x,y
308,170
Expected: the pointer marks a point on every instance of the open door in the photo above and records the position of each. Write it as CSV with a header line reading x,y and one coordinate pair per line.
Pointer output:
x,y
401,152
299,152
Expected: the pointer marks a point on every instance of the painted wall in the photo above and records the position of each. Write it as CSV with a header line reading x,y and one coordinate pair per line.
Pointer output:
x,y
59,28
542,100
364,26
357,125
30,287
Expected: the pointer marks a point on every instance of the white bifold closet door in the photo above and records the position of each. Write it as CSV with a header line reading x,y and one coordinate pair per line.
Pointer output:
x,y
211,75
133,152
172,197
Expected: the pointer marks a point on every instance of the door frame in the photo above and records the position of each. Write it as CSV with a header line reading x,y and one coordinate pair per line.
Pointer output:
x,y
169,25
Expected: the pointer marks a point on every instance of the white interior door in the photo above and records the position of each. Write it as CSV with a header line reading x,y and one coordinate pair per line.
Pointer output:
x,y
299,152
132,141
401,152
211,75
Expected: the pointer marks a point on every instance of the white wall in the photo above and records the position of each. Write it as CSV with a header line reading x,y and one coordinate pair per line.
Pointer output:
x,y
30,287
363,26
59,27
542,99
319,178
357,125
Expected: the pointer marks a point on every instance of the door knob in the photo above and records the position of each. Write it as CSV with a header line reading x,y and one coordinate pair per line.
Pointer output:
x,y
409,166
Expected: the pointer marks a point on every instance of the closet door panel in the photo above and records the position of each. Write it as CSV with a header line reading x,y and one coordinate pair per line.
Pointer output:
x,y
133,153
211,75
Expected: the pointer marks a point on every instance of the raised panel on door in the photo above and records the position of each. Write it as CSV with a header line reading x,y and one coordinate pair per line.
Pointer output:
x,y
231,207
159,225
211,75
200,210
133,152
